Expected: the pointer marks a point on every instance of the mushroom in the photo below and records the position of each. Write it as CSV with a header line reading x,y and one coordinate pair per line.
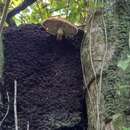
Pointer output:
x,y
60,27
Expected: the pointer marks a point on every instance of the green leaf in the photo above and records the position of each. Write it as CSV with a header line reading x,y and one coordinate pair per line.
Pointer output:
x,y
73,10
124,128
123,64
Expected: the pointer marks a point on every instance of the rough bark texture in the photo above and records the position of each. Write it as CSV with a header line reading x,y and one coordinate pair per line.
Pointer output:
x,y
94,48
114,103
49,77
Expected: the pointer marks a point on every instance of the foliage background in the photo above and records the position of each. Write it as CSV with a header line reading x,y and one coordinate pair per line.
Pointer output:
x,y
73,10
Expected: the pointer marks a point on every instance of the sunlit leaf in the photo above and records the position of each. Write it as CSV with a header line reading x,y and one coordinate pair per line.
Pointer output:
x,y
123,64
124,128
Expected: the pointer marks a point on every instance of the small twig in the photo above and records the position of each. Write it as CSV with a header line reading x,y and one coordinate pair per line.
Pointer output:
x,y
15,105
27,125
6,111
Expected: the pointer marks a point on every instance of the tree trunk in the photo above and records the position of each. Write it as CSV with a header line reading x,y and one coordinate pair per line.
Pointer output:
x,y
102,48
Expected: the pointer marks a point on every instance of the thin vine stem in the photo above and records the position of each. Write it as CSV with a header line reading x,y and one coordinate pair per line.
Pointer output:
x,y
4,15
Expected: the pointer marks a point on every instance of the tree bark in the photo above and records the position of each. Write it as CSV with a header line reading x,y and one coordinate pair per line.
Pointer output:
x,y
103,101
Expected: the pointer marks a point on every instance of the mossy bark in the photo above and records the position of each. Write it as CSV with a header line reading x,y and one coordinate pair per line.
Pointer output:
x,y
112,105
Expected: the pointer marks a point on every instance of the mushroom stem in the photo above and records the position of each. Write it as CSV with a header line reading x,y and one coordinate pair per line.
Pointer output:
x,y
60,34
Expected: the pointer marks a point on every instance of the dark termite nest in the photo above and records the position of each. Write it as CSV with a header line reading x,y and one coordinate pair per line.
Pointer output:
x,y
49,80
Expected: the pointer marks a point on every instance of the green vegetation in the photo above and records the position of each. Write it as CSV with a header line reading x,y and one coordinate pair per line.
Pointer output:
x,y
73,10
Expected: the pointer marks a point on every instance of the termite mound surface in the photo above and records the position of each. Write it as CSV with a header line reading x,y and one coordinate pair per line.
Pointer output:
x,y
49,80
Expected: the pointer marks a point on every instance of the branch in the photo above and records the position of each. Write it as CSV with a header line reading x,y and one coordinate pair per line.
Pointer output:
x,y
17,10
15,105
4,15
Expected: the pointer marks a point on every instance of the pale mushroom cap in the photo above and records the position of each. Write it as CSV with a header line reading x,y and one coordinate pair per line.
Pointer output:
x,y
53,24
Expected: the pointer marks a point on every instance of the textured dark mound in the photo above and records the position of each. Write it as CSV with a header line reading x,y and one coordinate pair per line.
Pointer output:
x,y
49,78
